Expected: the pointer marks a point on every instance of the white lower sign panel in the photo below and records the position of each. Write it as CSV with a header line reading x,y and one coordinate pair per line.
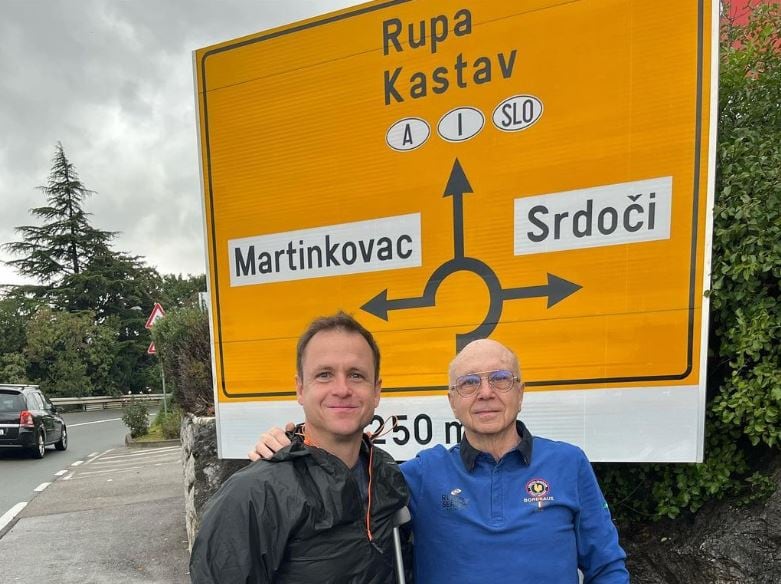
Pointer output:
x,y
662,424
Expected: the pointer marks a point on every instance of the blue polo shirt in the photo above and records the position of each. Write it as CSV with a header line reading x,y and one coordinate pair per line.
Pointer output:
x,y
535,516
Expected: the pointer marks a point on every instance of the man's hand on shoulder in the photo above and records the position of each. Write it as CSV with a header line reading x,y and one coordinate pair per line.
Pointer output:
x,y
271,441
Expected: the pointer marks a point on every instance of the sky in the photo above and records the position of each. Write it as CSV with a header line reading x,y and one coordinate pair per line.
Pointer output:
x,y
112,80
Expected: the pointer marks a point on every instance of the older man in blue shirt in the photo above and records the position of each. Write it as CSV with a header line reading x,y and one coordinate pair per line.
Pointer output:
x,y
503,503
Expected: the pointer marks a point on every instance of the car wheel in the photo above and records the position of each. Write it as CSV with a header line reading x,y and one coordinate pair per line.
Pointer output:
x,y
62,443
40,446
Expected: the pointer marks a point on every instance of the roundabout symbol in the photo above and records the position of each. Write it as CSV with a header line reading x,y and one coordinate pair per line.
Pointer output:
x,y
556,289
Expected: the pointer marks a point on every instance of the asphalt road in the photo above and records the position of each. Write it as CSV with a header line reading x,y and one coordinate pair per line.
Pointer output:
x,y
118,517
89,434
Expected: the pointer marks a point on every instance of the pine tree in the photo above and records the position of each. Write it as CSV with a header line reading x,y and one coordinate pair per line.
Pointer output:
x,y
80,274
63,245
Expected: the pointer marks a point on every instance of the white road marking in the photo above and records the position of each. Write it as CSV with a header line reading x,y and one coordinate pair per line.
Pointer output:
x,y
88,474
11,513
93,454
143,453
41,487
91,473
95,422
60,473
147,458
120,462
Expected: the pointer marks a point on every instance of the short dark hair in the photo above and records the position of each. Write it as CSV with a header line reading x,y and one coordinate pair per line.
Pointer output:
x,y
339,321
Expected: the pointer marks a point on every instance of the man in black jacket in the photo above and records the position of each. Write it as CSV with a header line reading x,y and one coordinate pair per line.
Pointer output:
x,y
321,509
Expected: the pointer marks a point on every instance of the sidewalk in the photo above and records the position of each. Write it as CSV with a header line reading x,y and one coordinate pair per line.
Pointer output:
x,y
118,518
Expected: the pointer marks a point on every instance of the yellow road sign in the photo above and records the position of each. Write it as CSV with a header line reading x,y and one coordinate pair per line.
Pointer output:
x,y
536,172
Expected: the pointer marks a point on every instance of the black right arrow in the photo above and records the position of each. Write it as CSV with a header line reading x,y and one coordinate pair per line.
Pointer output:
x,y
456,186
557,289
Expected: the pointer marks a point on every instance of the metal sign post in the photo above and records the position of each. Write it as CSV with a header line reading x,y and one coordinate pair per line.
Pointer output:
x,y
156,314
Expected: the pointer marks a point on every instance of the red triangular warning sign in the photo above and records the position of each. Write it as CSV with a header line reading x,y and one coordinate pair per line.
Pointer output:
x,y
157,312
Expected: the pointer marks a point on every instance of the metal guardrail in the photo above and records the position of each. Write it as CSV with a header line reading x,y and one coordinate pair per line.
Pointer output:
x,y
104,402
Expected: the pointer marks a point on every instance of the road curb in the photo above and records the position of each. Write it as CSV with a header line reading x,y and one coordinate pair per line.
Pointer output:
x,y
133,443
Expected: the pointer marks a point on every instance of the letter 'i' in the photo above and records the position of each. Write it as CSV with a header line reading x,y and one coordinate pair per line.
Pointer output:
x,y
651,210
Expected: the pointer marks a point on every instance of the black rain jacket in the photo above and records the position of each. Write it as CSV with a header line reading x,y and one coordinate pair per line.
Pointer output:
x,y
299,518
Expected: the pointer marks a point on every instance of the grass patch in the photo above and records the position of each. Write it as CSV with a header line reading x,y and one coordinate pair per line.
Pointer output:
x,y
155,434
163,427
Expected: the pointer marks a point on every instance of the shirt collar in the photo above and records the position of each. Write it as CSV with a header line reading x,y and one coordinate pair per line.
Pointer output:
x,y
469,453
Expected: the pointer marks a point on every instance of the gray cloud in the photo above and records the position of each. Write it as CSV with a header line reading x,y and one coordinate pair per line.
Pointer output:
x,y
113,81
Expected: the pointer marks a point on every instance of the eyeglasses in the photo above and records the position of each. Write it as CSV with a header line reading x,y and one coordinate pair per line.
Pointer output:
x,y
500,380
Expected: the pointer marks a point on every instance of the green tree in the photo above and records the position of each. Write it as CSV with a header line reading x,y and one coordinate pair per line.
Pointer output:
x,y
80,273
15,311
744,382
110,284
13,368
69,354
65,242
118,290
177,291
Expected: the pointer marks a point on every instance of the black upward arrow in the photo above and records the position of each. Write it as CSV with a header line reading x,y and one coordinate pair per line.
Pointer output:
x,y
456,186
557,289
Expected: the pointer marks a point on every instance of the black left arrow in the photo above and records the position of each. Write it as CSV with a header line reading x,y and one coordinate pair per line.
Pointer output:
x,y
380,305
456,186
557,289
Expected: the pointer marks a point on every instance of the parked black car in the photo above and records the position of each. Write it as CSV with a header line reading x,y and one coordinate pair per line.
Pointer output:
x,y
28,420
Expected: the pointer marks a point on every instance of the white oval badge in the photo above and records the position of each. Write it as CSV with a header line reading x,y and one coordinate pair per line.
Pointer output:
x,y
461,124
517,113
408,134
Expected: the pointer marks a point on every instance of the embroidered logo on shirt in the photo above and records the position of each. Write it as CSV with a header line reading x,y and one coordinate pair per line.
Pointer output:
x,y
454,501
537,488
538,491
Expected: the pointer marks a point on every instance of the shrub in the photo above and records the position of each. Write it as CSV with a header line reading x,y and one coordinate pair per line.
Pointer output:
x,y
184,349
169,423
136,418
744,378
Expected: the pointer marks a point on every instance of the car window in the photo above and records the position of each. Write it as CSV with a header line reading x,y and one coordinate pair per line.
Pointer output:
x,y
42,400
36,401
46,403
12,402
